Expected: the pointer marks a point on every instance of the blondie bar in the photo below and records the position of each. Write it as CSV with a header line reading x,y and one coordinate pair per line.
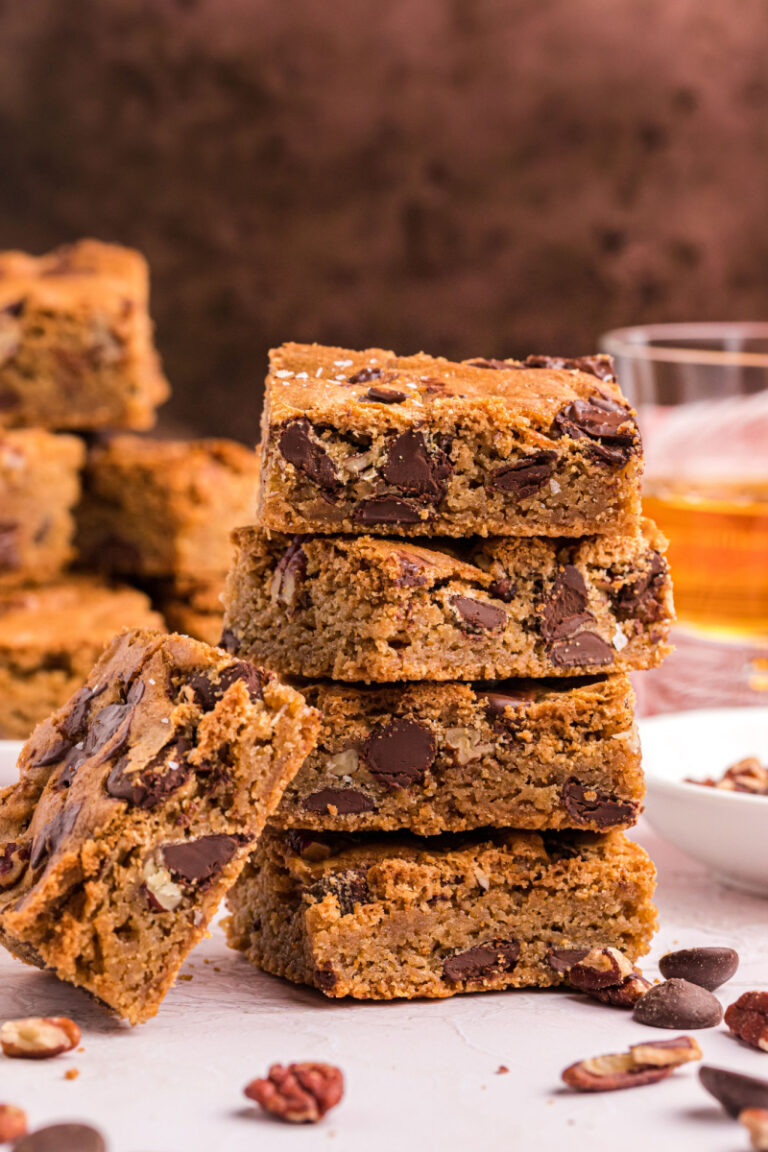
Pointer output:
x,y
76,348
379,918
372,609
49,639
39,487
164,508
136,808
435,758
373,442
192,607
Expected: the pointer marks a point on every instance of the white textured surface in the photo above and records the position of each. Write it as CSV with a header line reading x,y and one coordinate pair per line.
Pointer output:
x,y
420,1075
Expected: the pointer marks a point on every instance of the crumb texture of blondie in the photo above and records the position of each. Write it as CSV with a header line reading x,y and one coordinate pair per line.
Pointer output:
x,y
374,442
51,636
372,610
76,342
137,805
164,508
388,917
39,488
433,758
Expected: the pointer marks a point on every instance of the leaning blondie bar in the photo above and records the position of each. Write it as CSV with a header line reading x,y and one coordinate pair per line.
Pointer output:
x,y
435,758
76,347
417,445
137,805
49,639
380,918
372,609
39,487
164,508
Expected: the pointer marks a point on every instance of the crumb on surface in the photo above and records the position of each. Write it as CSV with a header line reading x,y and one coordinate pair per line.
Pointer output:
x,y
71,1073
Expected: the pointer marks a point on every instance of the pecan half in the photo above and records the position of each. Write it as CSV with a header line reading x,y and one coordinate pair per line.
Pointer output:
x,y
645,1063
747,1018
13,1123
300,1093
604,974
39,1037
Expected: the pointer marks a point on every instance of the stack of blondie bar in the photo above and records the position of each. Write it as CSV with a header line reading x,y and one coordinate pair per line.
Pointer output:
x,y
451,558
77,356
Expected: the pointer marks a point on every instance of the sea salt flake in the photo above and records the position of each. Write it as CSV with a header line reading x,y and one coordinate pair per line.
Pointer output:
x,y
619,640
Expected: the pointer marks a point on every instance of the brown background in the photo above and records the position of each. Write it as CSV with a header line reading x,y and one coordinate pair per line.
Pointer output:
x,y
464,176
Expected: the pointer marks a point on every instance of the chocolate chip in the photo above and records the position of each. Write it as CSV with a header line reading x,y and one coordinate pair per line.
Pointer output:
x,y
199,860
609,426
325,978
678,1004
13,861
308,456
161,776
411,468
588,806
399,752
346,801
229,641
641,599
364,375
526,476
207,693
503,589
563,959
15,309
733,1090
600,366
62,1138
707,967
413,571
111,720
349,888
50,836
498,706
51,755
386,510
73,725
9,399
483,960
565,610
478,614
10,556
385,396
584,649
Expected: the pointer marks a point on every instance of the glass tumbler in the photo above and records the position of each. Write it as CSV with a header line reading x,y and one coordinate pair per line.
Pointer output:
x,y
701,393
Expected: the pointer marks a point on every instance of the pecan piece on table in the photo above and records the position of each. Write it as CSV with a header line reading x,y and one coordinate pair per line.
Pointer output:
x,y
747,1018
299,1093
645,1063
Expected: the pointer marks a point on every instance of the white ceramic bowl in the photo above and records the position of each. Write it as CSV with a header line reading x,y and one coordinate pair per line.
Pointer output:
x,y
9,753
726,831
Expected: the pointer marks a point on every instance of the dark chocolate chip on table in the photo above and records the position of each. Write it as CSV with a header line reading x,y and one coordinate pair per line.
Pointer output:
x,y
733,1090
678,1004
399,752
346,801
62,1138
707,967
525,477
479,614
481,961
